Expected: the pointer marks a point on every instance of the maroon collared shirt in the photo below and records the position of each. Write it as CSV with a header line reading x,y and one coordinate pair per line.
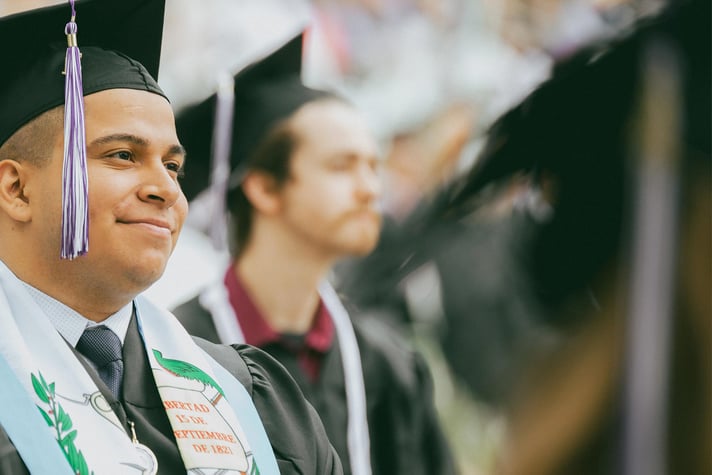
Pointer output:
x,y
309,349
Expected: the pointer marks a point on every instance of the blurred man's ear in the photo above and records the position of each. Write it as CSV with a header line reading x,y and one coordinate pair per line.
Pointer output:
x,y
13,201
262,192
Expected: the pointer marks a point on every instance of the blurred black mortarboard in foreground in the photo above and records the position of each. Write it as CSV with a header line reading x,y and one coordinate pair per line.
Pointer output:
x,y
576,129
56,55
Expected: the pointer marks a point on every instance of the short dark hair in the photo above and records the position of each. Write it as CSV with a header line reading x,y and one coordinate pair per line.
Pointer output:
x,y
33,142
271,156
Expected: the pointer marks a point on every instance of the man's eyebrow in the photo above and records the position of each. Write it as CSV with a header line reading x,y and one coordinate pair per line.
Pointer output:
x,y
176,149
134,139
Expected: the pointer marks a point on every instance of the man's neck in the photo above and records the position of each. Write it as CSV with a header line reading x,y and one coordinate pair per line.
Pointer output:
x,y
283,284
89,303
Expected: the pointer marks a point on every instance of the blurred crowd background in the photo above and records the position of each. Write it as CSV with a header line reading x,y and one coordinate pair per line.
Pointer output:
x,y
431,76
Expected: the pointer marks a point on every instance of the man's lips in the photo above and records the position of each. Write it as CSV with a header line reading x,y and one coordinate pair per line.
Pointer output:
x,y
366,213
151,224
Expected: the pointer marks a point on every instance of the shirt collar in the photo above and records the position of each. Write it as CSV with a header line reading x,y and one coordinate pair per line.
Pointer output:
x,y
71,324
258,332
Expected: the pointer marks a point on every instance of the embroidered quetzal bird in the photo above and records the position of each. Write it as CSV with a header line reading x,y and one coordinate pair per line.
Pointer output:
x,y
189,371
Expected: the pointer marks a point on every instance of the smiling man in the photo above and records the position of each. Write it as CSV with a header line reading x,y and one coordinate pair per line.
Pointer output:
x,y
136,207
95,378
303,193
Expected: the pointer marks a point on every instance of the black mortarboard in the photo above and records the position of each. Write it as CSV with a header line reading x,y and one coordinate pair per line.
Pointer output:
x,y
58,54
35,48
265,93
577,128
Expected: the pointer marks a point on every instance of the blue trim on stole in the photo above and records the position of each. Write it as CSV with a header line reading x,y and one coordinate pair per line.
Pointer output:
x,y
24,425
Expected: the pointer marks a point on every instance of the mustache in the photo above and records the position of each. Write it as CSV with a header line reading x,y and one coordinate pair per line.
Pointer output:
x,y
372,211
365,216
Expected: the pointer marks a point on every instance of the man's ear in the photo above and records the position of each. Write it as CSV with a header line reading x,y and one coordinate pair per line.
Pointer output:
x,y
262,192
12,191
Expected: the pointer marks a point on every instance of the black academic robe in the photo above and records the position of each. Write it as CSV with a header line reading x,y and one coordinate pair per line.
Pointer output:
x,y
404,431
285,414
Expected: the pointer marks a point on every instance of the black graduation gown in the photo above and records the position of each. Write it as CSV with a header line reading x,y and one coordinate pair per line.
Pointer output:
x,y
404,430
285,414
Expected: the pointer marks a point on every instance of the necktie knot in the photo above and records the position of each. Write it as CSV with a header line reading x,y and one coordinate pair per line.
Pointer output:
x,y
103,348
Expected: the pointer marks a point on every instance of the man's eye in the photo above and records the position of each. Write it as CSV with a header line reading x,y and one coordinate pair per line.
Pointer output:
x,y
340,164
122,155
375,165
175,167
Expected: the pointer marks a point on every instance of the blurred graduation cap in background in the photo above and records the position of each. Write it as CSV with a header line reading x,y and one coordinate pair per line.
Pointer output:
x,y
264,93
120,46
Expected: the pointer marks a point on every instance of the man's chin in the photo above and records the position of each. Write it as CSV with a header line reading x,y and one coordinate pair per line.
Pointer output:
x,y
144,277
363,248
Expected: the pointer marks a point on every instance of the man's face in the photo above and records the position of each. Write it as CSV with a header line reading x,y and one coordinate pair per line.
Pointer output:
x,y
136,207
330,199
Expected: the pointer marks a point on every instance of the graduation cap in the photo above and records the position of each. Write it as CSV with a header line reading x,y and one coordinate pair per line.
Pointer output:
x,y
577,127
262,95
58,54
587,98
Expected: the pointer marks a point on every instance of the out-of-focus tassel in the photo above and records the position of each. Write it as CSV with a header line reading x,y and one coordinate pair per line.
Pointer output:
x,y
220,166
75,185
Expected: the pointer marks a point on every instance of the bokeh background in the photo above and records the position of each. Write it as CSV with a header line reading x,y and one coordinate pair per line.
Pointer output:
x,y
430,76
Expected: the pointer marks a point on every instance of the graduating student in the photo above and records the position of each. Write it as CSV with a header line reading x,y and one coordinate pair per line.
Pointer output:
x,y
302,193
95,378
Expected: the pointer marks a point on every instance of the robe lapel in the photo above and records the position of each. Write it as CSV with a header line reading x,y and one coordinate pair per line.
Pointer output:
x,y
330,401
197,320
143,404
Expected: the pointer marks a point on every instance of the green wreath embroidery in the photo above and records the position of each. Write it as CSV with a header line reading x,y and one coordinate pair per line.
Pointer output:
x,y
56,417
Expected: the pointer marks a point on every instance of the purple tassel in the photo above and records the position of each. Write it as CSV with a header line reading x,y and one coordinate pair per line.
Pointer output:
x,y
75,186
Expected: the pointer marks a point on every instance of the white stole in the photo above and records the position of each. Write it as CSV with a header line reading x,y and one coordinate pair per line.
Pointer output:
x,y
202,412
216,300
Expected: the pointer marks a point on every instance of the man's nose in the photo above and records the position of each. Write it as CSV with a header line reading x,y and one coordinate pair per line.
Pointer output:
x,y
368,183
159,185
